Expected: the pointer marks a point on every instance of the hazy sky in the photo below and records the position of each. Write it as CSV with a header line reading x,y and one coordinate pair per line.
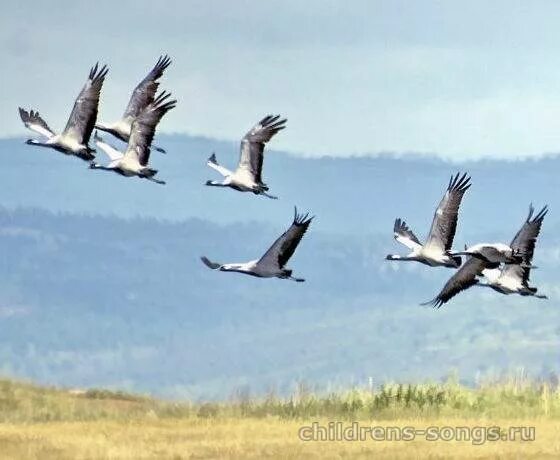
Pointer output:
x,y
461,79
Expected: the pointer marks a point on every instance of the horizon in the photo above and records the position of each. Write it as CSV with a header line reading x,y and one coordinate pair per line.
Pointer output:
x,y
461,80
406,155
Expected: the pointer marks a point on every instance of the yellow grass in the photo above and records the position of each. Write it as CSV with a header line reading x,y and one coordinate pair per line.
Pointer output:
x,y
271,438
49,423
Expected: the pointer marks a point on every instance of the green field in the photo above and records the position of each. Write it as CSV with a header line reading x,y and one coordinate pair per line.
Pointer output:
x,y
49,423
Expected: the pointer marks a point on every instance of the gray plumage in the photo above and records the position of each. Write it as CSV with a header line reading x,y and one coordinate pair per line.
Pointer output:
x,y
444,223
464,278
248,175
134,162
252,145
84,113
74,139
273,263
144,126
436,251
145,92
284,247
143,95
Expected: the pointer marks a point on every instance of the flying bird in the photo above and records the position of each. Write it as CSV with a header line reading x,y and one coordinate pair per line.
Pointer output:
x,y
75,137
134,161
436,251
248,175
512,278
463,279
493,253
142,96
272,263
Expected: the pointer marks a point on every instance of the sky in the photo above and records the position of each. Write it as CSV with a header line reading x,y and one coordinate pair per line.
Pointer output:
x,y
463,80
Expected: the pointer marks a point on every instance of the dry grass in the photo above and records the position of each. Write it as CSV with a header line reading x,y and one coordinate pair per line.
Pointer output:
x,y
248,438
43,423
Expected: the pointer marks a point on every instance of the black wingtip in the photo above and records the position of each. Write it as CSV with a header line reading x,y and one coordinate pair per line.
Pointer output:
x,y
400,226
459,182
434,303
163,62
96,74
302,219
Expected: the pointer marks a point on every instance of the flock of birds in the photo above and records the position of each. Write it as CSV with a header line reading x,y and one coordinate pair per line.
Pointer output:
x,y
137,128
505,267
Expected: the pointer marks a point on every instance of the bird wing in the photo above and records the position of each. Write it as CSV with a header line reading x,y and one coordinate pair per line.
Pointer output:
x,y
252,145
112,152
404,235
144,127
82,119
526,238
463,279
516,271
283,248
524,244
444,223
145,91
33,121
213,163
210,264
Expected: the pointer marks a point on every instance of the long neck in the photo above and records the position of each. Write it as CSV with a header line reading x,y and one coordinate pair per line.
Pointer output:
x,y
38,143
215,183
404,258
103,127
101,167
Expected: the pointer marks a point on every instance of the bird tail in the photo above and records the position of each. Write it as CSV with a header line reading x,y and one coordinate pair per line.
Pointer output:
x,y
209,263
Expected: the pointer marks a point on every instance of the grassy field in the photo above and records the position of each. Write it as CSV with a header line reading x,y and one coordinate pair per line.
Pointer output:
x,y
45,423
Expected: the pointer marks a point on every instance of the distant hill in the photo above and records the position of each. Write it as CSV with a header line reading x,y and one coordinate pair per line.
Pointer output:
x,y
101,285
352,195
126,304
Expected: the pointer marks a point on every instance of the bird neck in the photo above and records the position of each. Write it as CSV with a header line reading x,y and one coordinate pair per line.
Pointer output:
x,y
103,127
37,143
101,167
215,183
398,257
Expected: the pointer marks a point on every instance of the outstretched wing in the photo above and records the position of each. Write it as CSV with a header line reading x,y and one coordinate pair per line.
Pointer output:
x,y
82,119
284,247
213,163
526,238
210,264
404,235
144,127
33,121
145,92
463,279
524,244
252,145
112,152
444,224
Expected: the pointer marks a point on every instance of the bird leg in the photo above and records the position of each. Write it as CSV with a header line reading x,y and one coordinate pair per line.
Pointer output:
x,y
157,181
272,197
297,280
